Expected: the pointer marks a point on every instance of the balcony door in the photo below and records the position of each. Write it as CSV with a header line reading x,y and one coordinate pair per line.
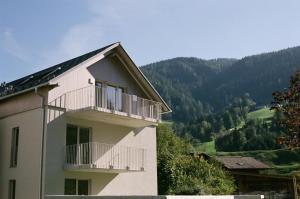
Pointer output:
x,y
111,96
78,144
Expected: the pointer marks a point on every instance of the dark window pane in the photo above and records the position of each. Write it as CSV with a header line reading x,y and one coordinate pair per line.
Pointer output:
x,y
12,189
83,187
85,147
111,97
84,135
70,187
98,94
14,147
71,135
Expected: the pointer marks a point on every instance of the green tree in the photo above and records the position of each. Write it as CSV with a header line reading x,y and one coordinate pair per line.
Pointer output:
x,y
181,173
288,104
228,122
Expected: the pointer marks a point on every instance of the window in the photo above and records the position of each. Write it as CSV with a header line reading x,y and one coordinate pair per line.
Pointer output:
x,y
77,135
78,146
83,187
77,187
70,187
112,96
12,189
14,147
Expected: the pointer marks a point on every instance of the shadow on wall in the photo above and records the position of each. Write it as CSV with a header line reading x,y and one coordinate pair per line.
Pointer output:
x,y
113,69
103,180
106,148
99,180
56,142
57,121
56,150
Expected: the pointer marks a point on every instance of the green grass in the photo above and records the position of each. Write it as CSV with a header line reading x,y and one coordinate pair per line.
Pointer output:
x,y
207,147
284,161
264,114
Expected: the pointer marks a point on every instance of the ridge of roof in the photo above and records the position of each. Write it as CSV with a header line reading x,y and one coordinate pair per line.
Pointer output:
x,y
45,75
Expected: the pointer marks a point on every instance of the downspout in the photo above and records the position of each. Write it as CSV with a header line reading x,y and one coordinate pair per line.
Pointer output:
x,y
43,143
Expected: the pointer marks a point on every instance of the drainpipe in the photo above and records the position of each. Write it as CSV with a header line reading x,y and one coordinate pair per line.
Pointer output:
x,y
43,98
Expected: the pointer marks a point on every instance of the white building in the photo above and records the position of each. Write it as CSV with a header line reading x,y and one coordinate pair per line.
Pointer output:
x,y
83,127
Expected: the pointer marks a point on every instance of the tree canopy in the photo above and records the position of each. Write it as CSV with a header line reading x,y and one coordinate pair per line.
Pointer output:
x,y
181,173
287,103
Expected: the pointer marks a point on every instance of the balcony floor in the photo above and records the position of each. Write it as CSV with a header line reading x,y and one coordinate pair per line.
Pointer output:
x,y
91,169
112,117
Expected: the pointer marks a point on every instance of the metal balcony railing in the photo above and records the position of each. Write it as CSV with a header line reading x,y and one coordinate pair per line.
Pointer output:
x,y
101,97
105,156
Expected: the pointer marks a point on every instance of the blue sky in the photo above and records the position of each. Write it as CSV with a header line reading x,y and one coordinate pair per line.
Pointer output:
x,y
35,34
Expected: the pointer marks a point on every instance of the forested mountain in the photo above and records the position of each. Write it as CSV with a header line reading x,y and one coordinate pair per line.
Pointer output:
x,y
258,75
196,87
176,80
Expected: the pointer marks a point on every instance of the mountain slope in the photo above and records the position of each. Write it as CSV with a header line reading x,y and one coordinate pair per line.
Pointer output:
x,y
194,87
176,78
258,75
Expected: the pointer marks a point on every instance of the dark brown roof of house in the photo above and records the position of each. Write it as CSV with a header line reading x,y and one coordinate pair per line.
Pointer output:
x,y
45,75
240,162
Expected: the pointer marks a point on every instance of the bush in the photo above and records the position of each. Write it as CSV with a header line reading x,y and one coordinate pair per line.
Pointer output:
x,y
180,173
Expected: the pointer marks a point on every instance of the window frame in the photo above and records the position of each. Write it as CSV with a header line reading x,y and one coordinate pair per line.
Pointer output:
x,y
77,185
14,148
106,83
78,132
65,186
12,189
118,106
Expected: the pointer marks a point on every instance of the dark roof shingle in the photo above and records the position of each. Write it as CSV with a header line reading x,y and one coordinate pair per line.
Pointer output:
x,y
45,75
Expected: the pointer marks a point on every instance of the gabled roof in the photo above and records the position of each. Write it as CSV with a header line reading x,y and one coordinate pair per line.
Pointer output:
x,y
43,77
240,162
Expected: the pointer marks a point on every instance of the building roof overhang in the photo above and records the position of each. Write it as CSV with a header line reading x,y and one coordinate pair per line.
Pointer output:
x,y
59,70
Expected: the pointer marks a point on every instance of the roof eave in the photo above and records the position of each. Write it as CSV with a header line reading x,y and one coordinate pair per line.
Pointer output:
x,y
167,109
26,90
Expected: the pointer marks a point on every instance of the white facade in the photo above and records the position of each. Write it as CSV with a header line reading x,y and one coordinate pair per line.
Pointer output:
x,y
125,125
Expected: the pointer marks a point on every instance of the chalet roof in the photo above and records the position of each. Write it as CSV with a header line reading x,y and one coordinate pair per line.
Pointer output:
x,y
240,162
45,75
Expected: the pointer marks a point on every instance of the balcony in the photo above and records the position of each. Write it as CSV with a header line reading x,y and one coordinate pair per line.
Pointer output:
x,y
100,157
100,104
